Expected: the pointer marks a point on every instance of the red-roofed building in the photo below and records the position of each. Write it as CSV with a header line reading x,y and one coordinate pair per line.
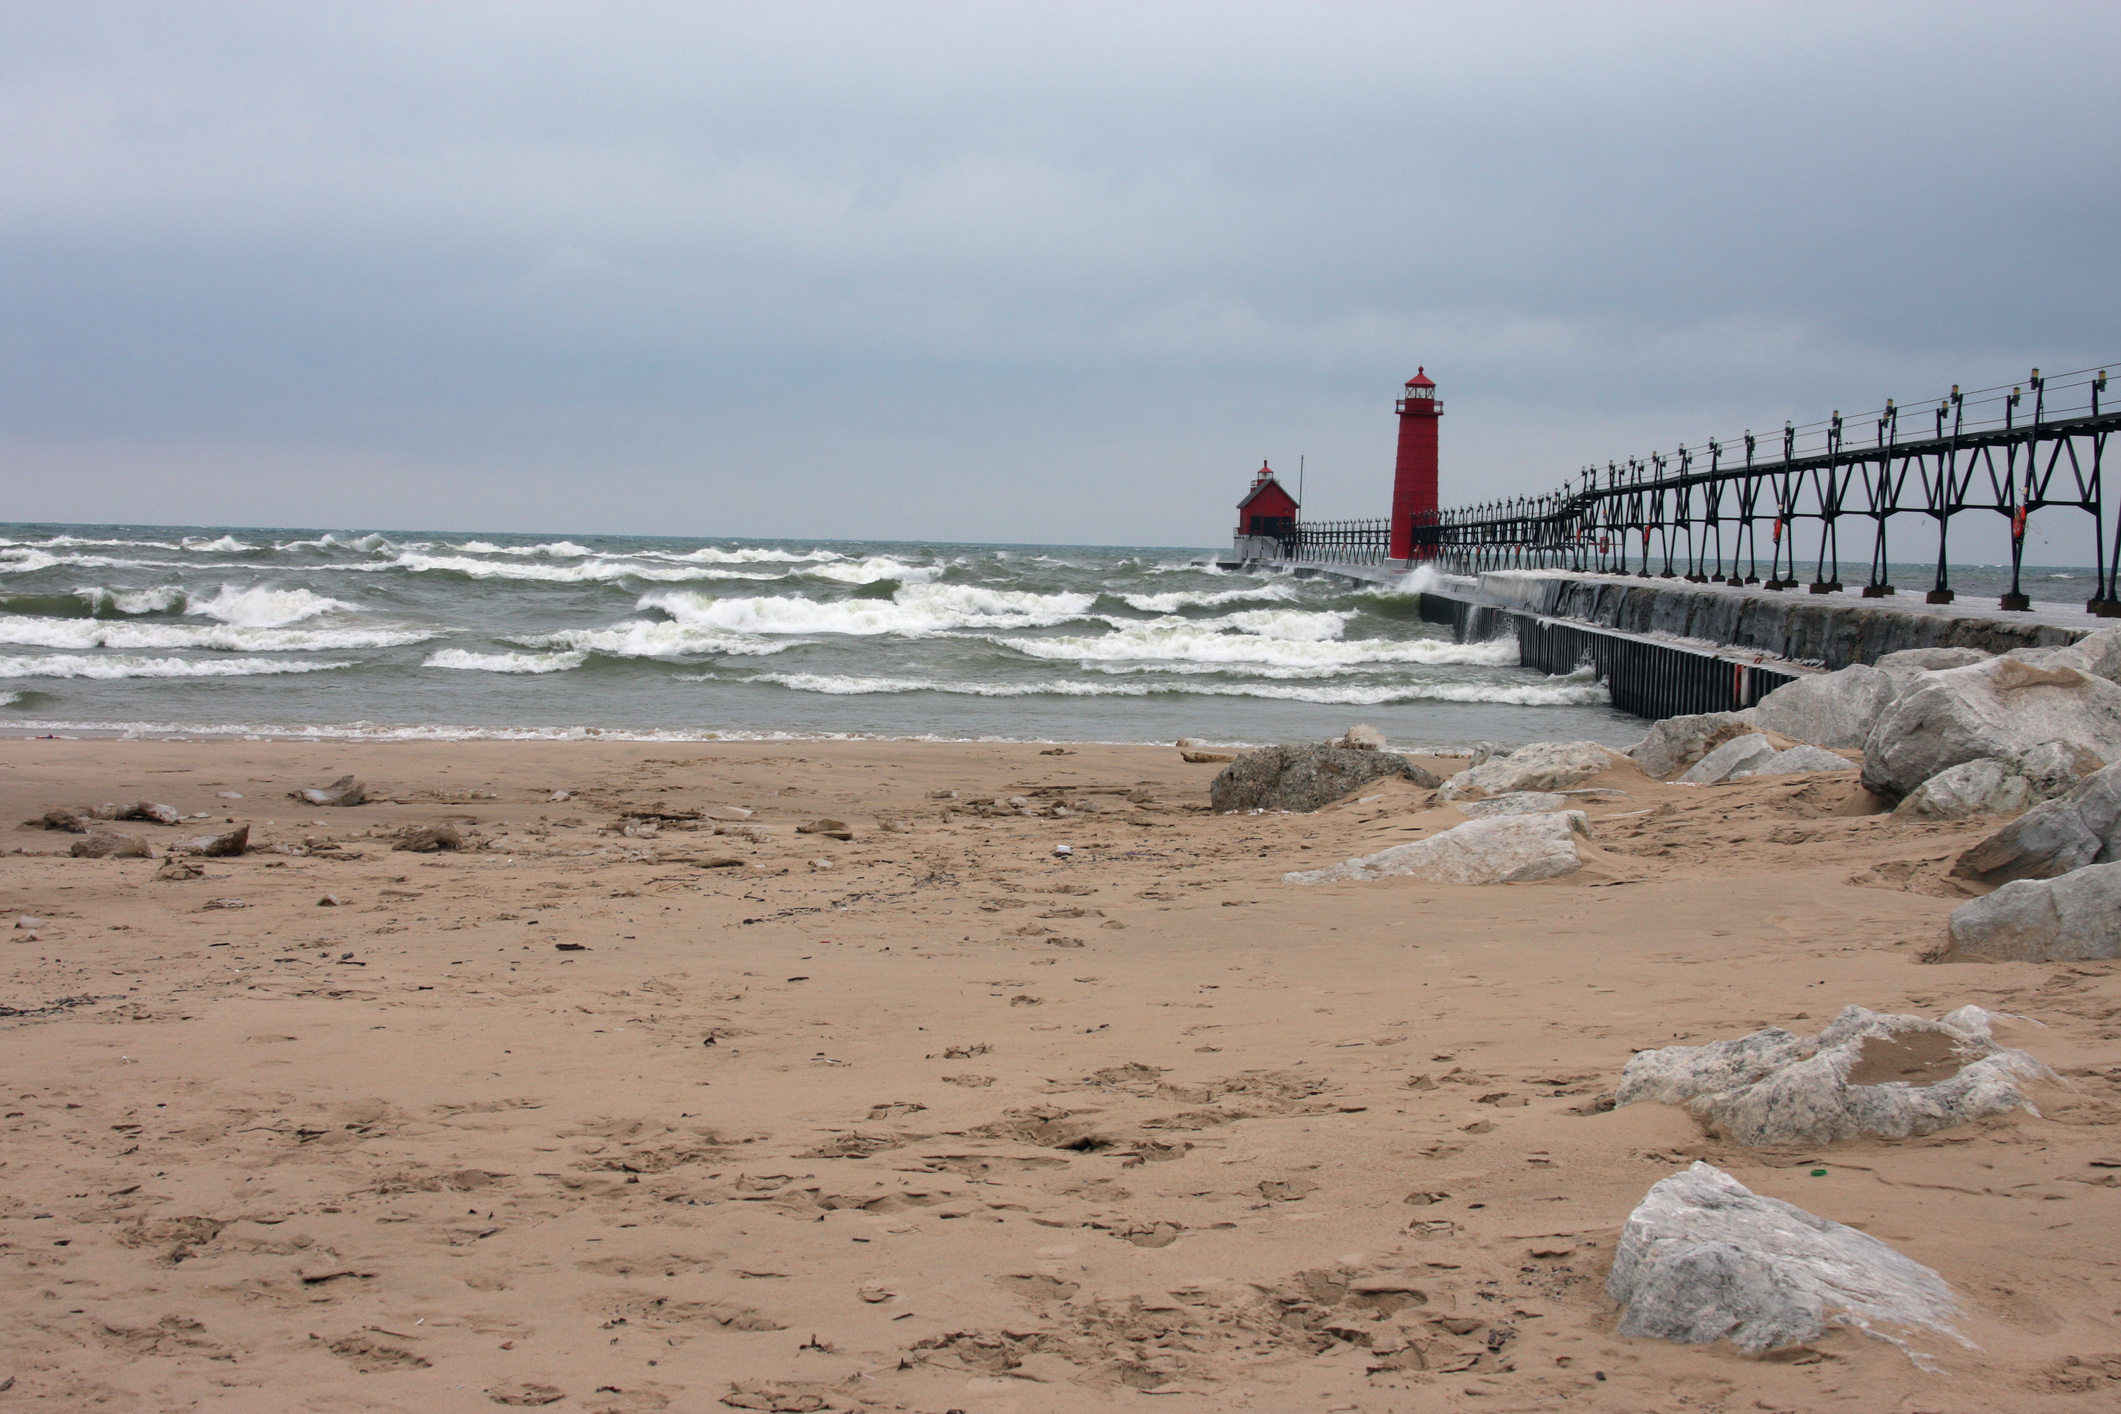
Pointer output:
x,y
1268,513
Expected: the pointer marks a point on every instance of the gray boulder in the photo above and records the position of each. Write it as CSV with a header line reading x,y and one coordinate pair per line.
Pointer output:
x,y
1362,737
1908,663
1703,1258
2078,828
1516,802
1543,765
111,846
221,846
2072,918
1743,753
2096,653
344,791
140,810
1505,849
1828,709
1800,760
1303,778
2000,708
1985,786
428,839
1865,1073
73,822
1678,742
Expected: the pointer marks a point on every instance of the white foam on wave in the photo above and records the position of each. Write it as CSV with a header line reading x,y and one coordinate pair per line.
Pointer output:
x,y
752,555
1548,693
237,638
260,606
874,568
9,699
26,560
102,600
603,570
1307,624
557,549
1205,598
914,611
1184,640
121,666
652,639
505,662
83,541
225,545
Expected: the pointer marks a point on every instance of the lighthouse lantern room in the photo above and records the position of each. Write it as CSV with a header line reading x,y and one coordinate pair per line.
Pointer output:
x,y
1266,518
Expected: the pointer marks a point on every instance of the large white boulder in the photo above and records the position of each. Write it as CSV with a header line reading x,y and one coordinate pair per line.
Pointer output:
x,y
1741,753
1516,802
2000,708
1909,662
1985,786
2072,918
1543,765
2096,653
2078,828
1678,742
1828,709
1703,1258
1853,1078
1799,760
1503,849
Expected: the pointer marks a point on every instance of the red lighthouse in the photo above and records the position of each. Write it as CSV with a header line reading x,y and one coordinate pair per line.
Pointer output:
x,y
1414,478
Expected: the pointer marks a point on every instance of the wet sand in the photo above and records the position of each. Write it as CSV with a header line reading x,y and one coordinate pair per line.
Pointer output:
x,y
601,1122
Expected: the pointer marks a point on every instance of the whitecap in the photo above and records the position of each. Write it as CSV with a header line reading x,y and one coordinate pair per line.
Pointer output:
x,y
1551,692
1204,598
1186,640
914,611
226,545
596,570
874,568
710,555
557,549
258,606
101,600
647,639
504,662
1311,625
106,633
121,666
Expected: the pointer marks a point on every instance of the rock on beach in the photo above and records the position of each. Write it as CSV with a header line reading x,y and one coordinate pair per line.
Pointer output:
x,y
2076,917
1503,849
1303,778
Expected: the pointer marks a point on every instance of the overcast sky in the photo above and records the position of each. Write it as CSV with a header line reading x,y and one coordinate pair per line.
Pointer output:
x,y
1003,272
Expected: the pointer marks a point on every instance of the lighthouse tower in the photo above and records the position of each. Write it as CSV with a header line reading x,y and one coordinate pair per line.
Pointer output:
x,y
1414,478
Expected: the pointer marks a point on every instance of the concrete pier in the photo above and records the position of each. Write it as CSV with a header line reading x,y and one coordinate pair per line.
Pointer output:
x,y
1665,647
1829,631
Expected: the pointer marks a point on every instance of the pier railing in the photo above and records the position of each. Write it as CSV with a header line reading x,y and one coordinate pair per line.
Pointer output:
x,y
1341,542
1727,509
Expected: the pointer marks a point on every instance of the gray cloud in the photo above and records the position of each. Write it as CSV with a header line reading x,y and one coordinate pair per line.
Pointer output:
x,y
1001,271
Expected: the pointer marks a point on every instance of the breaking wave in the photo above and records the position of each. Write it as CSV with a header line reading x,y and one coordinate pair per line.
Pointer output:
x,y
644,639
120,666
505,662
1189,641
236,638
914,611
1204,598
1550,693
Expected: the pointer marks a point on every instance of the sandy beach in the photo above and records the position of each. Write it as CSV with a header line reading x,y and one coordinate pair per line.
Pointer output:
x,y
935,1118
